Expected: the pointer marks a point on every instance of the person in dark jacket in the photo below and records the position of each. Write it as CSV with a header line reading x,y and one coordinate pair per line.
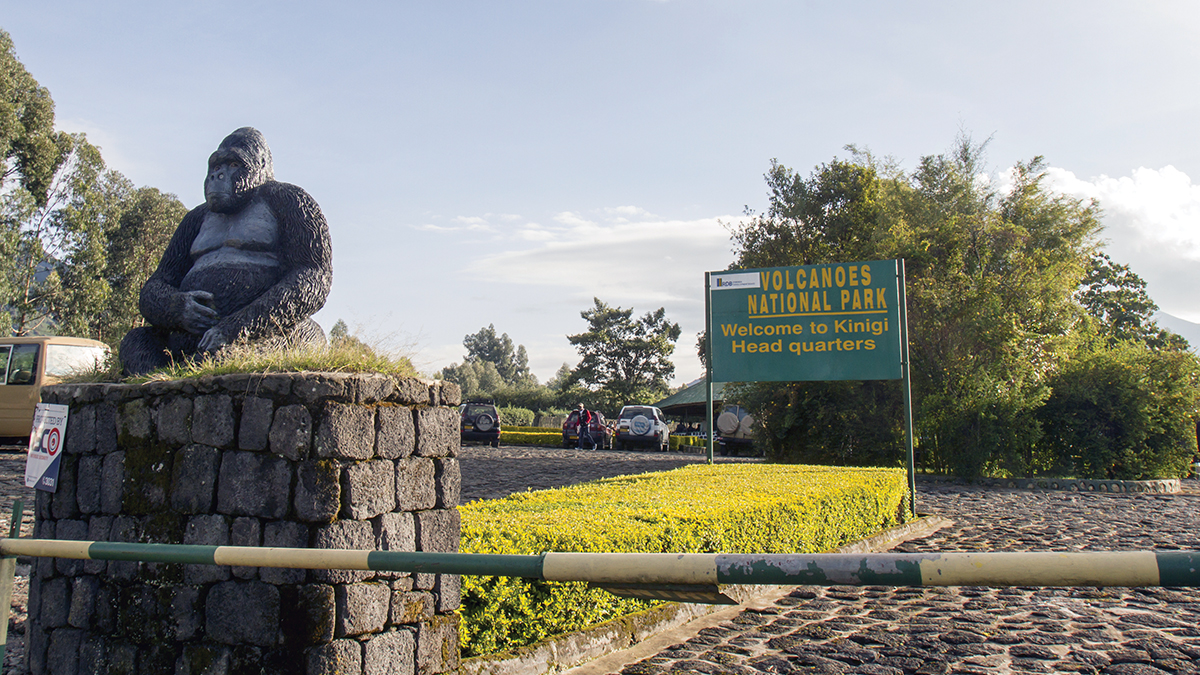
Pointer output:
x,y
585,427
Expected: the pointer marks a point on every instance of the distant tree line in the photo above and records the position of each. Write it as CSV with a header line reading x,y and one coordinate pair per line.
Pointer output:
x,y
77,239
1032,352
623,360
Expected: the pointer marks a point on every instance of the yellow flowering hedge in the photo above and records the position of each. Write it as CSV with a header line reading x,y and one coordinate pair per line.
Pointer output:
x,y
720,508
677,441
530,438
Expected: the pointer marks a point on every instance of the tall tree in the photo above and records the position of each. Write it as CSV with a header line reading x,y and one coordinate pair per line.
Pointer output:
x,y
134,248
478,379
627,359
31,151
93,209
340,331
1116,298
487,347
45,232
77,242
991,278
75,265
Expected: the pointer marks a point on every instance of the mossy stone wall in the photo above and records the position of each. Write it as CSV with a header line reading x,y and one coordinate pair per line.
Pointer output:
x,y
321,460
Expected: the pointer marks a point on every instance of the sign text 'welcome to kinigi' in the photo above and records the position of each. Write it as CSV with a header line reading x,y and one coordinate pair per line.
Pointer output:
x,y
814,322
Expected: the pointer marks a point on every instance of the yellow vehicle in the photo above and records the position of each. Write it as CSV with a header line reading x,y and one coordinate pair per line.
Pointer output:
x,y
28,363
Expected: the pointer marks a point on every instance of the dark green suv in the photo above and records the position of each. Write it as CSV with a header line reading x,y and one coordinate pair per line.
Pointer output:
x,y
480,421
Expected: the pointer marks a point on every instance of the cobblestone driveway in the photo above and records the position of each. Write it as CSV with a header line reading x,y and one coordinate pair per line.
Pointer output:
x,y
891,631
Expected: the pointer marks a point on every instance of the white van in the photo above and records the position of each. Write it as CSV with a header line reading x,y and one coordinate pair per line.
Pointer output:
x,y
29,363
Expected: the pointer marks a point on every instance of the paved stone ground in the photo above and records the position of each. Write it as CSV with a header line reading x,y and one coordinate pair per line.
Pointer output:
x,y
491,473
892,631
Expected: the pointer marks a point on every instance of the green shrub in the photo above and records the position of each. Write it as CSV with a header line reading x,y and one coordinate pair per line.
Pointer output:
x,y
1123,412
728,508
515,417
842,423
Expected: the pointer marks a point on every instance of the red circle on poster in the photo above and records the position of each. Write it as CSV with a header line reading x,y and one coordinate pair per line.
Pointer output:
x,y
53,440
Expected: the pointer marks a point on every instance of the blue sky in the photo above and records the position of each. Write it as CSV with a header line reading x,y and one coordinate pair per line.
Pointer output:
x,y
504,162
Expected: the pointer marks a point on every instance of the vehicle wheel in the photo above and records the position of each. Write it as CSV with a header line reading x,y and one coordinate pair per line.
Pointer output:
x,y
621,446
640,425
484,422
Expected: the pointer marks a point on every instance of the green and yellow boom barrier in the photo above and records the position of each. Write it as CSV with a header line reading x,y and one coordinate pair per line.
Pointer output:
x,y
686,577
631,570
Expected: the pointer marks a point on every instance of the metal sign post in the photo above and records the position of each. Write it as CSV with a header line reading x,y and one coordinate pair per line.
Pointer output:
x,y
708,371
907,384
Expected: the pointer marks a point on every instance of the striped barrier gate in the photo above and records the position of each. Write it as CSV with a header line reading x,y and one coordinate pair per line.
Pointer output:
x,y
701,570
683,577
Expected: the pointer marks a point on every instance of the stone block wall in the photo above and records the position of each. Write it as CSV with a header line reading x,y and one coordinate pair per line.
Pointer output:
x,y
321,460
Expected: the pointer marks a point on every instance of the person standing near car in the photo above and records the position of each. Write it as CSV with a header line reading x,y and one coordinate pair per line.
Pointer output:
x,y
585,427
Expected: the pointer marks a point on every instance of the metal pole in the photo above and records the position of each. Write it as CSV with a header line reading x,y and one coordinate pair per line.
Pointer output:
x,y
708,378
1095,568
8,570
907,384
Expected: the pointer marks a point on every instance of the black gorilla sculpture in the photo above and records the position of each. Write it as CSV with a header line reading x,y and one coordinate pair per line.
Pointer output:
x,y
250,264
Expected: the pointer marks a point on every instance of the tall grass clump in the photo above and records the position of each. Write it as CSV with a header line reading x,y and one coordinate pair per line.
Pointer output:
x,y
342,356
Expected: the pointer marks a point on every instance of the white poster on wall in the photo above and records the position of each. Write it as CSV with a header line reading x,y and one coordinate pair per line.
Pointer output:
x,y
45,446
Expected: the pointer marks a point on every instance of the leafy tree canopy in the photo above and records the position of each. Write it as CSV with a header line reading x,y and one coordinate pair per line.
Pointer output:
x,y
339,331
991,280
1116,297
626,359
485,346
75,264
30,150
77,240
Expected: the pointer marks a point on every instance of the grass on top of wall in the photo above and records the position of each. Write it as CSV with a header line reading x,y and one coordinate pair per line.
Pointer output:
x,y
340,357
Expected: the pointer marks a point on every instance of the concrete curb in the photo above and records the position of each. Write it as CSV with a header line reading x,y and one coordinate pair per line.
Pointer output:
x,y
1159,486
610,645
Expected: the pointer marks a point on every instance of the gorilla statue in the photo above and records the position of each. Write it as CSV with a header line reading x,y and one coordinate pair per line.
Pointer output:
x,y
249,265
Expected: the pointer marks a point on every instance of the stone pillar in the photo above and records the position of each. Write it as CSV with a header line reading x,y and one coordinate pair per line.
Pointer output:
x,y
321,460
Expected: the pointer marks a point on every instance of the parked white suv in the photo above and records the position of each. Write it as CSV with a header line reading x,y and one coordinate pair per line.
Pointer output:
x,y
642,425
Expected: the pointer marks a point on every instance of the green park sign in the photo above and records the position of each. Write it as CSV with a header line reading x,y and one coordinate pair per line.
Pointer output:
x,y
839,321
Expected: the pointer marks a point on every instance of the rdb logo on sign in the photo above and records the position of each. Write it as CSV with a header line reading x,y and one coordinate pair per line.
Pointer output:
x,y
45,445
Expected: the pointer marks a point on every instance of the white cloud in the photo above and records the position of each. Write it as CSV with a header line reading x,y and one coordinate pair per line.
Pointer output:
x,y
1152,224
474,223
647,261
537,234
643,264
544,274
624,213
572,219
459,224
